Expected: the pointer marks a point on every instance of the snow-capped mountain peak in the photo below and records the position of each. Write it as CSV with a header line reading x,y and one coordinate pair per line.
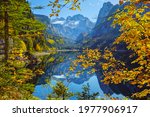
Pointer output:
x,y
72,27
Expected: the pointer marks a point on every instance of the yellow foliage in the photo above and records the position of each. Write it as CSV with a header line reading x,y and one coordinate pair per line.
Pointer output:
x,y
87,60
39,72
134,21
38,47
18,43
57,5
51,41
51,59
135,33
142,94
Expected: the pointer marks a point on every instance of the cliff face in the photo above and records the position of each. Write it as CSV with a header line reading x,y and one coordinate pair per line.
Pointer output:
x,y
103,13
103,34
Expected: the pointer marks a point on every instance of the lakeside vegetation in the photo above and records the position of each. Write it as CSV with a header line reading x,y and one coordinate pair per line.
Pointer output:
x,y
22,35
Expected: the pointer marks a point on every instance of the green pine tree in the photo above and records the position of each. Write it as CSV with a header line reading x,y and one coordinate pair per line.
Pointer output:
x,y
85,94
60,91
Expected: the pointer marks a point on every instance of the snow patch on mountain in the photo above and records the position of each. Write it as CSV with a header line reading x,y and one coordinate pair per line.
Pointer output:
x,y
58,22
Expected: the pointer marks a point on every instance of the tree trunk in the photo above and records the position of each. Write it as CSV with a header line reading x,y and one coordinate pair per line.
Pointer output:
x,y
6,34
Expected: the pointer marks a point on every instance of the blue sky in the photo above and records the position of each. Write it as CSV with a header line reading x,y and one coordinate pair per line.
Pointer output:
x,y
89,8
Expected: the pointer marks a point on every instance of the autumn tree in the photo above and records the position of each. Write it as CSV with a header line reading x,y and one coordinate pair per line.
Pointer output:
x,y
18,25
134,22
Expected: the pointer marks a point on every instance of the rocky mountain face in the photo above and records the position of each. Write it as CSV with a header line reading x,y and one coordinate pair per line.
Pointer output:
x,y
81,36
103,13
51,32
45,19
103,34
72,27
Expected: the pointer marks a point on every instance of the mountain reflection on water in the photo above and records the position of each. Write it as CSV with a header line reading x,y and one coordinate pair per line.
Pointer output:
x,y
59,71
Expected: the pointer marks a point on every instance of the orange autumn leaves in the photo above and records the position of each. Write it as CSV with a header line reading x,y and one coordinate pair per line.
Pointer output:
x,y
134,22
135,1
135,32
87,60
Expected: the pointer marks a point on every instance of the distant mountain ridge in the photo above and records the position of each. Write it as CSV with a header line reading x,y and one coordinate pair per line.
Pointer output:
x,y
69,28
72,27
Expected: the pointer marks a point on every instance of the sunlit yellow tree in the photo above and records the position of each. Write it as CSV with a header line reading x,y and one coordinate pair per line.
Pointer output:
x,y
134,22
